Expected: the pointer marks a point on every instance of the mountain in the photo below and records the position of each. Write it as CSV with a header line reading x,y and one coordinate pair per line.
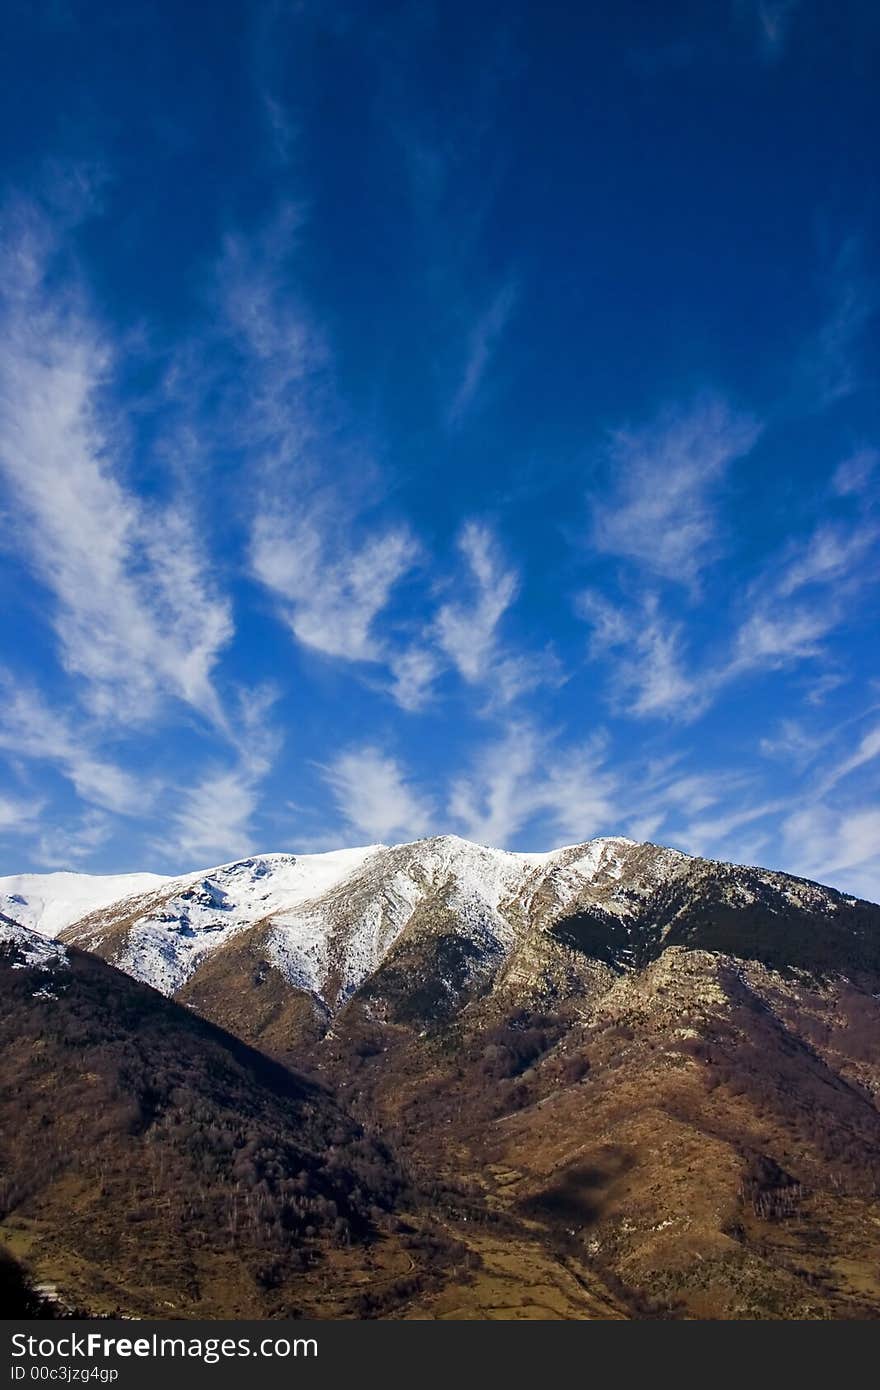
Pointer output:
x,y
153,1165
631,1081
331,924
51,902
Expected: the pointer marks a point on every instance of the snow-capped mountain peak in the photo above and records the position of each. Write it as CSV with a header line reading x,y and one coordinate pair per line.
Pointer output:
x,y
327,922
49,903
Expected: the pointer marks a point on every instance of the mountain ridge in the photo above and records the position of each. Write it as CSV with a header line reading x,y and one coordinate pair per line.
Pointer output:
x,y
656,1073
329,924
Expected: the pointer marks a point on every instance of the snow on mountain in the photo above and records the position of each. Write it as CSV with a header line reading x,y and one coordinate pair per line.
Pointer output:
x,y
162,936
328,921
28,948
344,934
50,902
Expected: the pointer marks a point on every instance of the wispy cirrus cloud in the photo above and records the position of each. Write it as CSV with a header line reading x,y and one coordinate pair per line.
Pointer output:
x,y
832,555
59,846
648,674
332,576
466,629
686,806
794,744
214,811
865,752
31,729
483,339
831,366
137,616
414,671
657,510
788,612
524,774
214,817
711,835
281,367
330,589
375,797
18,815
833,844
821,824
855,474
802,597
334,584
467,632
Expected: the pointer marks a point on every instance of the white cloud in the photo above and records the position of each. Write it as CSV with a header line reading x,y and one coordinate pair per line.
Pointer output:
x,y
482,342
414,672
648,674
659,508
331,590
282,355
661,794
466,631
17,816
855,474
30,729
213,816
662,687
257,376
787,624
831,367
710,835
333,581
831,555
209,816
283,131
495,801
868,749
374,796
836,846
788,612
136,615
523,775
577,792
772,639
793,744
694,791
213,819
58,847
822,686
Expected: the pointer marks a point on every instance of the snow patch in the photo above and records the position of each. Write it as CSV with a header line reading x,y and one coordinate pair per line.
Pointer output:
x,y
48,903
30,950
194,916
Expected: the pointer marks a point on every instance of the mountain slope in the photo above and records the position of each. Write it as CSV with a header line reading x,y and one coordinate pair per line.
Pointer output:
x,y
50,902
710,1132
428,927
621,1070
151,1162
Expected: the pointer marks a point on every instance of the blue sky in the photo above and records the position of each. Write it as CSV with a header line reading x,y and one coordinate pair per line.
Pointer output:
x,y
439,417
